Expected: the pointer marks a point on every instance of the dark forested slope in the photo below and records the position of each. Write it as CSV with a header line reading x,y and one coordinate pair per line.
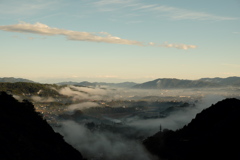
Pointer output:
x,y
213,134
24,135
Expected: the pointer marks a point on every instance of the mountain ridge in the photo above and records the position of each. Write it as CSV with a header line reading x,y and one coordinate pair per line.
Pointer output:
x,y
173,83
160,83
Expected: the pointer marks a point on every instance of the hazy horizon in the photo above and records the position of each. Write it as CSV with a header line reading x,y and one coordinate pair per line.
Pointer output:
x,y
103,80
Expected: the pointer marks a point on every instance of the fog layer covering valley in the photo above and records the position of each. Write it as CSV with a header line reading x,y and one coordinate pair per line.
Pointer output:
x,y
111,123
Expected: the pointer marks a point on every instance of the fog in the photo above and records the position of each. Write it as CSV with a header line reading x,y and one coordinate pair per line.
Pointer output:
x,y
17,97
176,119
107,145
102,145
76,95
108,93
91,91
42,99
80,106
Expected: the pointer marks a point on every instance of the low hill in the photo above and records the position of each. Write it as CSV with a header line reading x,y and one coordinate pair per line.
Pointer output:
x,y
24,135
13,80
213,134
25,88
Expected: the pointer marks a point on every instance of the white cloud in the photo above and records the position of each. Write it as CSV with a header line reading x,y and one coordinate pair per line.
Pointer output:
x,y
179,46
151,43
169,45
43,29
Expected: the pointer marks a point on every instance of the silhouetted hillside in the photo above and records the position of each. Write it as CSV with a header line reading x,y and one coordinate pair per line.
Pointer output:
x,y
24,135
213,134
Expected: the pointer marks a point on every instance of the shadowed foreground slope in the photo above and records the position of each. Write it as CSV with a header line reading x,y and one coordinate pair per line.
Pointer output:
x,y
24,135
213,134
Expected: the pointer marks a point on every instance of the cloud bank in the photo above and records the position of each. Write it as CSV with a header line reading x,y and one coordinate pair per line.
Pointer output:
x,y
43,29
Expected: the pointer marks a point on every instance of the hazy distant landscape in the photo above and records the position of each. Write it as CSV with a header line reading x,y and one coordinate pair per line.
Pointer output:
x,y
116,118
119,80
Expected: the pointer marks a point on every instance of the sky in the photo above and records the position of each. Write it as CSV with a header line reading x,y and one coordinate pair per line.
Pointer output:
x,y
119,40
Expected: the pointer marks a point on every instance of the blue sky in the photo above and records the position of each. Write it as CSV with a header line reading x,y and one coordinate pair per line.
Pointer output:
x,y
119,40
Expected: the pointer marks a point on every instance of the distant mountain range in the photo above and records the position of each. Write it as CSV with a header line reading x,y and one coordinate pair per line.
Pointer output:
x,y
13,80
213,134
100,84
161,83
167,83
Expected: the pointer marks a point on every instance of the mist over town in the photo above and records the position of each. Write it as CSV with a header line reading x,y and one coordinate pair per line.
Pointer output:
x,y
119,79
